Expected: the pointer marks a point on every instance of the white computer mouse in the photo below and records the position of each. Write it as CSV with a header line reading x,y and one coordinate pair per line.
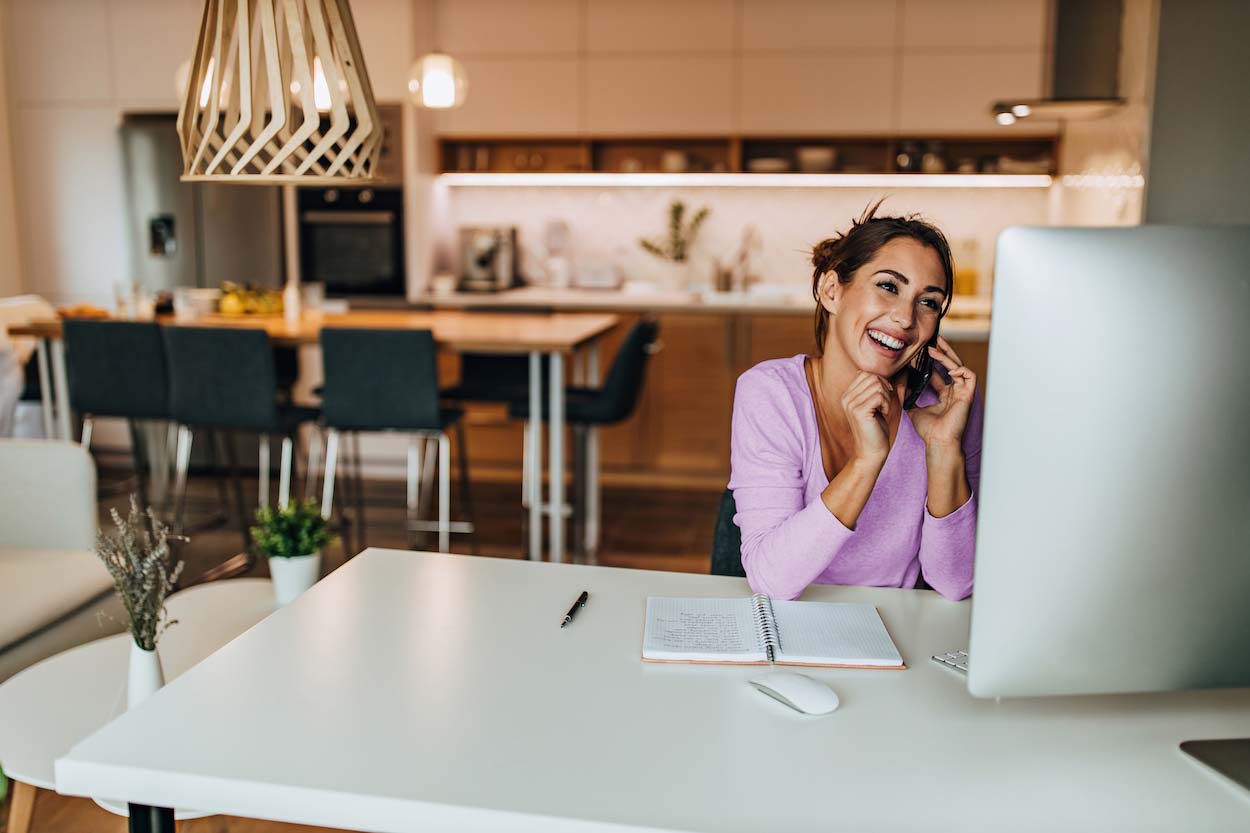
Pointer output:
x,y
798,691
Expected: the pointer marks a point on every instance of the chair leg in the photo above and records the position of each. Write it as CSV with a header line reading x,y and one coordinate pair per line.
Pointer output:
x,y
139,459
21,807
87,425
444,492
413,470
593,496
262,490
578,534
314,453
327,489
284,474
462,451
230,450
525,467
182,462
358,489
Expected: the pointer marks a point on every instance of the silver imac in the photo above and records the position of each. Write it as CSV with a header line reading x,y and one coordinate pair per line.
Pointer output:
x,y
1113,545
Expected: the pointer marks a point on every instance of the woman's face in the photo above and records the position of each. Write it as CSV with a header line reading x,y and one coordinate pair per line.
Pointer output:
x,y
889,311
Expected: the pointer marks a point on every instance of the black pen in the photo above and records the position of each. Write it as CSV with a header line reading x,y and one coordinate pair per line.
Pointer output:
x,y
580,603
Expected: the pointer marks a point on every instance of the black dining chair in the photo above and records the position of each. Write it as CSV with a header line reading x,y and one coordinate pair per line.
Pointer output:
x,y
117,369
727,540
224,379
587,408
387,381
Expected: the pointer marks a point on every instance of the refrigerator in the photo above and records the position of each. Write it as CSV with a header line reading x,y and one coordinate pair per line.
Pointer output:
x,y
194,234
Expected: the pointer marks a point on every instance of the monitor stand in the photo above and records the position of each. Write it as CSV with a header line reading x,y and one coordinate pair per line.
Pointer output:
x,y
1230,758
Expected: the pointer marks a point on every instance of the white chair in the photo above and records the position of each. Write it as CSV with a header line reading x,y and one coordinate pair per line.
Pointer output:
x,y
52,587
15,352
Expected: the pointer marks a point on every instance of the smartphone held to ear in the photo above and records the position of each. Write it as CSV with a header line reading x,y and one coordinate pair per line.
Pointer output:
x,y
918,375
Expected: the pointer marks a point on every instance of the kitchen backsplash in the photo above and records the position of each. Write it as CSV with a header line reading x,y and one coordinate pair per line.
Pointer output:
x,y
606,223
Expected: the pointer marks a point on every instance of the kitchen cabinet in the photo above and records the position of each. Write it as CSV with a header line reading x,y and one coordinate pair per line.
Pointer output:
x,y
58,54
517,97
951,93
974,24
659,26
805,93
649,95
506,27
147,42
386,30
828,26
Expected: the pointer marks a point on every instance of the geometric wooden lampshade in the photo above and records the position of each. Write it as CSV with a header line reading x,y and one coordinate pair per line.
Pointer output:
x,y
278,93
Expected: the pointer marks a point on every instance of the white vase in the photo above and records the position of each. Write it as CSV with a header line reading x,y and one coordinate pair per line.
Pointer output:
x,y
292,576
145,675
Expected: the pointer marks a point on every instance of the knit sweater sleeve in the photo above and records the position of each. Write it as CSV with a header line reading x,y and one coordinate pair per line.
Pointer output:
x,y
786,543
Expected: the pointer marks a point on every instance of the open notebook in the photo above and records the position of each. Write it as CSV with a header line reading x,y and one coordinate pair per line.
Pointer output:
x,y
756,629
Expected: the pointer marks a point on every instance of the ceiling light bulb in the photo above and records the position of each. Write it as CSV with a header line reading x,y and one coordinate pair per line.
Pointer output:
x,y
437,81
1005,118
1022,111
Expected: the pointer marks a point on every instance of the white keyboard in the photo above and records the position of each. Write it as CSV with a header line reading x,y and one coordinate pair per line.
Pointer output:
x,y
954,659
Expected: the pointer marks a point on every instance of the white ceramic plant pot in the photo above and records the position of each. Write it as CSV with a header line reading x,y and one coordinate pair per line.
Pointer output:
x,y
292,576
145,675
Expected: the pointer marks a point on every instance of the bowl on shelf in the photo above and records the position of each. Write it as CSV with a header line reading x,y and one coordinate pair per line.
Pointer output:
x,y
816,158
768,165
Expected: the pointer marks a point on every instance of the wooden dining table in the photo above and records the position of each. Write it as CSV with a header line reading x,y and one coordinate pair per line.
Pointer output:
x,y
554,336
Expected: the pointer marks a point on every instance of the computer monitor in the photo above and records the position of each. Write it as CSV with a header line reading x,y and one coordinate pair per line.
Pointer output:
x,y
1113,542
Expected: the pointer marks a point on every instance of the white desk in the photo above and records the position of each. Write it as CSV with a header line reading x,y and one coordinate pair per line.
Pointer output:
x,y
419,692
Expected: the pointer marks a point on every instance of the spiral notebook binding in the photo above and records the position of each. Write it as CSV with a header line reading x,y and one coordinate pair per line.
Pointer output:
x,y
765,625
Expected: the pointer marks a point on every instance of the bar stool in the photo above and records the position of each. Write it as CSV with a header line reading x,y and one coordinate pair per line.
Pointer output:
x,y
387,381
588,407
117,369
224,379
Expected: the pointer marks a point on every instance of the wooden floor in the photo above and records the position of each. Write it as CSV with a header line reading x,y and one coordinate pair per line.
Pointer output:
x,y
642,529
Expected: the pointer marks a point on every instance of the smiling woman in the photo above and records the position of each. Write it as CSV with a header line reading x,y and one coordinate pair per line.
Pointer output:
x,y
859,464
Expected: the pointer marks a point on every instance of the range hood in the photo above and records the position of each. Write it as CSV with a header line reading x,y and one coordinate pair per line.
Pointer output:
x,y
1084,77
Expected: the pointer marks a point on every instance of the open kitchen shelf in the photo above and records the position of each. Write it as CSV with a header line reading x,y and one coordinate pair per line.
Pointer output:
x,y
986,154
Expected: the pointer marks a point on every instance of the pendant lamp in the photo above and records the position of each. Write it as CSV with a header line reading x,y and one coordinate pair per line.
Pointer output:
x,y
437,82
278,93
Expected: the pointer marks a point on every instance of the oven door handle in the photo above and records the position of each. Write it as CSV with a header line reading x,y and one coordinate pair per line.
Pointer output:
x,y
348,218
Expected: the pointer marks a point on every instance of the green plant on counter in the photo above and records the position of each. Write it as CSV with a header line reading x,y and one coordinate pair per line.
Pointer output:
x,y
681,234
296,530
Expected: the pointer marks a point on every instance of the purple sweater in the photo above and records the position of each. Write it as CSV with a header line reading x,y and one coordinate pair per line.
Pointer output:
x,y
790,539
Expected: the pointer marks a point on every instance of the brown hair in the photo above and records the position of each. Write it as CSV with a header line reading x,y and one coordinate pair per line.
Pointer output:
x,y
845,253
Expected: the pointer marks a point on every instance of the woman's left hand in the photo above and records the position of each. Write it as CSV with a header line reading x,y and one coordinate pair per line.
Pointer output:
x,y
941,425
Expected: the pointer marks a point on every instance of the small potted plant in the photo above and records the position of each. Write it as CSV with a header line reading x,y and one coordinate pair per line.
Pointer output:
x,y
675,247
292,537
137,556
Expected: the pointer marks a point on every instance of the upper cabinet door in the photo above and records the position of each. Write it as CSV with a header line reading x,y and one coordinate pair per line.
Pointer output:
x,y
515,97
508,27
59,55
148,42
827,26
386,33
974,24
943,93
783,94
636,95
649,26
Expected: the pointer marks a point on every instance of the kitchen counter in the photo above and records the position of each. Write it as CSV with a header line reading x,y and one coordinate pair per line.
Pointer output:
x,y
968,320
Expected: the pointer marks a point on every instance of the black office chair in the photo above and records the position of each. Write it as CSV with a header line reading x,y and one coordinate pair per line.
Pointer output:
x,y
587,407
224,379
727,543
387,380
727,540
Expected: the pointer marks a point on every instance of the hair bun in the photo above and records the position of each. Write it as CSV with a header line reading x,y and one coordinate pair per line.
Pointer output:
x,y
826,253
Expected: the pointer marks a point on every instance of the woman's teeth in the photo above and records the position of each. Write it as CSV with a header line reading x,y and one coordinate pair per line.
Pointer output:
x,y
885,340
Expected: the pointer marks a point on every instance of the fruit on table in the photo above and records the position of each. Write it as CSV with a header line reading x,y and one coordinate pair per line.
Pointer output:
x,y
248,300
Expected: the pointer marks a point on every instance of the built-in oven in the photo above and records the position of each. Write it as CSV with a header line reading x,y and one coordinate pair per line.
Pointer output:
x,y
352,239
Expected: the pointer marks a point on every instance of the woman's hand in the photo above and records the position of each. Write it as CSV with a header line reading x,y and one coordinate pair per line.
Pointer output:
x,y
867,404
941,425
